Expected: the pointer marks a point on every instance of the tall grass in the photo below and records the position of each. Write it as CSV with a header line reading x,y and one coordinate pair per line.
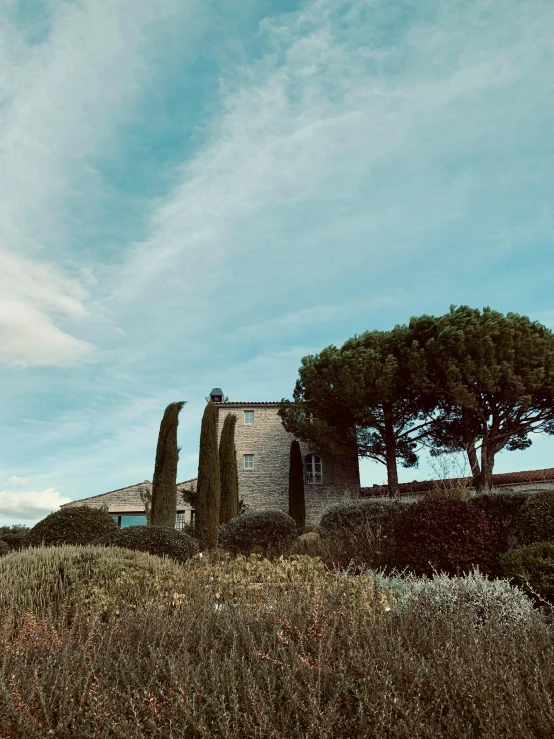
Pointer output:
x,y
311,664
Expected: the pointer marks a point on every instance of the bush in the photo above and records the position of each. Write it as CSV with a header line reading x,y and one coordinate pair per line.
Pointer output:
x,y
535,522
532,568
501,509
271,531
256,580
362,530
79,525
4,547
450,536
158,540
479,598
51,580
14,536
308,544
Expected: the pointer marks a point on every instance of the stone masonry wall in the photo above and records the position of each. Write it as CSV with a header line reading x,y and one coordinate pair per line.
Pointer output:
x,y
266,486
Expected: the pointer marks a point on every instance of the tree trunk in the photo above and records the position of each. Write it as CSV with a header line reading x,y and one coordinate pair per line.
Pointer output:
x,y
390,455
487,464
469,443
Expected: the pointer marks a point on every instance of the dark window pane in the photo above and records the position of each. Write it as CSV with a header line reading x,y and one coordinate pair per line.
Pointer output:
x,y
132,521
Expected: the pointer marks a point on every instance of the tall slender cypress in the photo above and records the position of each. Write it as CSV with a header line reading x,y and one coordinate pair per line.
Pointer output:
x,y
209,483
164,483
297,502
229,505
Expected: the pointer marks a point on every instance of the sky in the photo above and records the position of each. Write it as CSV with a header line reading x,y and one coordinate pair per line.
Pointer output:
x,y
198,194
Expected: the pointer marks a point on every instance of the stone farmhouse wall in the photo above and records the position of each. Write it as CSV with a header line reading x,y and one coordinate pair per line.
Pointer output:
x,y
266,485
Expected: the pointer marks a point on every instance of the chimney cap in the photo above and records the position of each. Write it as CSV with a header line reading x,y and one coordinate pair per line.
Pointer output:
x,y
216,396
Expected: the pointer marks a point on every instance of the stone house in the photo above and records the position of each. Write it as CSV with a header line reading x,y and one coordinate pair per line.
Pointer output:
x,y
127,508
263,452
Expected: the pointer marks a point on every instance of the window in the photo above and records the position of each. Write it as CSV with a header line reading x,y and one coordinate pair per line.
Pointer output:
x,y
192,517
248,417
248,461
314,472
179,520
131,520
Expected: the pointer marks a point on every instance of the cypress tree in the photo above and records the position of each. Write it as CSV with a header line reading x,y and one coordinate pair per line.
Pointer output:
x,y
209,483
297,502
229,507
164,483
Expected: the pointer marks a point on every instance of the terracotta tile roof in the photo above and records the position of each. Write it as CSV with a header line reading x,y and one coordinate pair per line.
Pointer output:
x,y
501,480
236,403
127,500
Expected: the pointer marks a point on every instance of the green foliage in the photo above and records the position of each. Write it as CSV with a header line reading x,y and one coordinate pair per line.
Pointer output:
x,y
359,533
239,579
159,540
532,568
14,536
87,578
348,515
164,482
362,400
449,536
490,377
229,502
209,482
4,547
297,501
535,521
76,525
271,530
146,498
501,509
476,596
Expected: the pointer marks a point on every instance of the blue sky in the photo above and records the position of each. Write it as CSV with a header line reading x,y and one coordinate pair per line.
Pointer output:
x,y
198,194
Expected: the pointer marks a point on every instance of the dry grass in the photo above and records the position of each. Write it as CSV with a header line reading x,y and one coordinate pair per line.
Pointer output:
x,y
330,661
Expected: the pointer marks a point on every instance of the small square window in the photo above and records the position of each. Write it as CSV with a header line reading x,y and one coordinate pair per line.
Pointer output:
x,y
248,417
248,461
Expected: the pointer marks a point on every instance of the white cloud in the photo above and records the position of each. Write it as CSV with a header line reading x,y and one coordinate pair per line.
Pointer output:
x,y
15,480
62,100
31,505
309,136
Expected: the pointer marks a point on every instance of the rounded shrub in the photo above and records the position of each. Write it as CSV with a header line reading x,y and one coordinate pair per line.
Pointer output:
x,y
158,540
361,530
79,525
4,548
442,535
268,531
476,596
532,568
87,579
502,510
535,521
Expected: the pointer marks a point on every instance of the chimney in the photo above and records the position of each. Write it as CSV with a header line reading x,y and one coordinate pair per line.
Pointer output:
x,y
216,396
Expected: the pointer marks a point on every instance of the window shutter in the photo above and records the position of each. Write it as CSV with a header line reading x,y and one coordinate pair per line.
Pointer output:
x,y
327,472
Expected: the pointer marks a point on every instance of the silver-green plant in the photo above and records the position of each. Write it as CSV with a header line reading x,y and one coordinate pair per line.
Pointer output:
x,y
483,599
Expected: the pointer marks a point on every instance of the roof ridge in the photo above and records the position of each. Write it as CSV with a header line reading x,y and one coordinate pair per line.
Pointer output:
x,y
118,490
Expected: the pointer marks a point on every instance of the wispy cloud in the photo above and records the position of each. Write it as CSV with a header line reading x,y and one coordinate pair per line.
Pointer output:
x,y
62,101
357,163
